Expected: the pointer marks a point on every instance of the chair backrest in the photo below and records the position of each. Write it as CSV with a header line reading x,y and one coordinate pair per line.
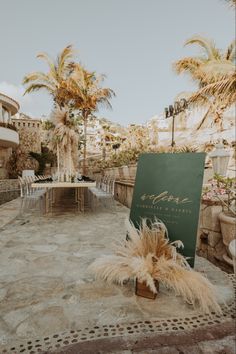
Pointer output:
x,y
22,184
27,173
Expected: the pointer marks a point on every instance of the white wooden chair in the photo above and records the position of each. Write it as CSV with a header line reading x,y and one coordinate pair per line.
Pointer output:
x,y
102,196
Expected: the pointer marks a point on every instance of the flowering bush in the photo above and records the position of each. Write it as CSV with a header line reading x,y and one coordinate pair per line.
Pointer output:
x,y
131,155
222,189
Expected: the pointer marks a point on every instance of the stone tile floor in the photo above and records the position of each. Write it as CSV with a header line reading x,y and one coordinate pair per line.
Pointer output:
x,y
46,290
9,211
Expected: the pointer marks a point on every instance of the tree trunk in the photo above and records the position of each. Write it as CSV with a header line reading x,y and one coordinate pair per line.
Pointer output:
x,y
204,118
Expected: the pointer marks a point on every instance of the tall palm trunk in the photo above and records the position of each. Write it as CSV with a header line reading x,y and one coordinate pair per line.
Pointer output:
x,y
85,114
204,118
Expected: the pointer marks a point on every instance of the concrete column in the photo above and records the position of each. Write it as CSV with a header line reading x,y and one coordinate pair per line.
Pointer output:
x,y
1,116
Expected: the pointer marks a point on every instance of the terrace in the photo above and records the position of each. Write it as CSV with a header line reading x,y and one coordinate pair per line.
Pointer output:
x,y
117,231
67,309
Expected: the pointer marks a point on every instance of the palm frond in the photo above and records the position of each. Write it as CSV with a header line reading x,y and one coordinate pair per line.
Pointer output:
x,y
36,76
37,87
224,89
187,64
64,59
216,70
231,52
49,61
207,44
200,101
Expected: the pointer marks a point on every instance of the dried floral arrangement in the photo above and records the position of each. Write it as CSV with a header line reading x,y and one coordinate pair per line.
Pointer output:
x,y
65,138
147,255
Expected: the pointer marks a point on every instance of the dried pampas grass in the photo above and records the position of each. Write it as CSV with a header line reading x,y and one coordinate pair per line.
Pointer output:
x,y
66,138
148,255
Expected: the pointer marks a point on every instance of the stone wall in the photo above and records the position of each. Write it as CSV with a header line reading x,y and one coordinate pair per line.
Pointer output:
x,y
9,189
30,140
124,192
209,241
5,154
29,132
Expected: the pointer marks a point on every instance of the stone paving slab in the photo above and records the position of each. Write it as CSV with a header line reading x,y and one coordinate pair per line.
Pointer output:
x,y
9,211
46,290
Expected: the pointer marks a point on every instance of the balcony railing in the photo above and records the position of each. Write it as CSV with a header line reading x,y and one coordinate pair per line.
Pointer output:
x,y
8,125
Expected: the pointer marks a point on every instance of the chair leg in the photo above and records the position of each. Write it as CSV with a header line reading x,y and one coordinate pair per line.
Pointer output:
x,y
22,203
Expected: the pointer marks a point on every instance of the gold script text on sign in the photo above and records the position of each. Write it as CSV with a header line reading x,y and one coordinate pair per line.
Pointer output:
x,y
165,196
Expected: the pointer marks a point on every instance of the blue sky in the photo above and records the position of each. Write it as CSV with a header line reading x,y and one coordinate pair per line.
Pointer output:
x,y
133,42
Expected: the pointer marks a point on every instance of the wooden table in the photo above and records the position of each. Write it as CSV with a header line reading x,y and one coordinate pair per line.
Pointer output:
x,y
51,186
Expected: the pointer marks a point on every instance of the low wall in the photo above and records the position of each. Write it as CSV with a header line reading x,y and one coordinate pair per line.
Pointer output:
x,y
124,192
9,190
209,241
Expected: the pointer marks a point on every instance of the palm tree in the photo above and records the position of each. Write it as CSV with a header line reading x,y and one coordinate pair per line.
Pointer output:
x,y
84,93
212,67
71,86
53,81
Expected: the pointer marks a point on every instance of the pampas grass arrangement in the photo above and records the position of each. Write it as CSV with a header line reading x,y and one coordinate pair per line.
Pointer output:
x,y
147,255
66,138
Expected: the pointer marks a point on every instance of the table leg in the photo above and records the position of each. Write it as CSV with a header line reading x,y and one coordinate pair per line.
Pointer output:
x,y
82,199
79,198
46,202
53,195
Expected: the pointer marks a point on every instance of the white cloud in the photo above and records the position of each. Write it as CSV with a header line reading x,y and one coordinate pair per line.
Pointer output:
x,y
34,105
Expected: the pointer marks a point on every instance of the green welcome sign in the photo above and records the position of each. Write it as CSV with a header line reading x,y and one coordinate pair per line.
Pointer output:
x,y
168,186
